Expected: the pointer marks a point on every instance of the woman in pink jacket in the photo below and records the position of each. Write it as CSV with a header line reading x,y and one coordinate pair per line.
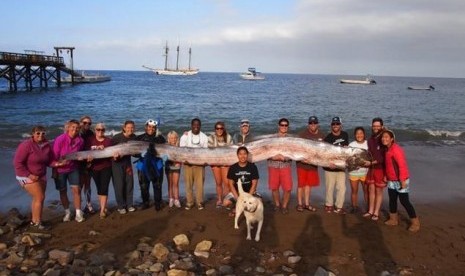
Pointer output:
x,y
398,181
30,162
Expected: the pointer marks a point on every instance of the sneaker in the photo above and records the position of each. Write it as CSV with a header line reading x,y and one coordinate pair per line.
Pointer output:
x,y
188,207
79,216
122,211
200,206
177,203
339,211
131,209
67,216
89,209
145,206
171,202
39,226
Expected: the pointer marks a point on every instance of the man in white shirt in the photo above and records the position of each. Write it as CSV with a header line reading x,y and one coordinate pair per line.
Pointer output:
x,y
194,175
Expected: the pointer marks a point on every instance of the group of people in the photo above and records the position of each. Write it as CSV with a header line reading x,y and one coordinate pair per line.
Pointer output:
x,y
387,169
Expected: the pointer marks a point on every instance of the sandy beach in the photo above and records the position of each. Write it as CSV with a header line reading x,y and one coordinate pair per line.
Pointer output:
x,y
344,244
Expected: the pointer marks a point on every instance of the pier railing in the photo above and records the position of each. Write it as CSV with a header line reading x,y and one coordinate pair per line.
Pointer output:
x,y
7,58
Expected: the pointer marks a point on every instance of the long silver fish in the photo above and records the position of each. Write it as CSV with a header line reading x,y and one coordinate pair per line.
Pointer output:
x,y
308,151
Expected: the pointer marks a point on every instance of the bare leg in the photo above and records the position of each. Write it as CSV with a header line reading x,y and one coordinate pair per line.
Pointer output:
x,y
218,179
300,195
76,197
365,192
224,178
275,194
286,198
37,191
64,199
371,198
103,203
307,194
354,193
175,184
378,200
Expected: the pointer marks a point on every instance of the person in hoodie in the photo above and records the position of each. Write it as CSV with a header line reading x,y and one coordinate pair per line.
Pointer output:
x,y
150,167
67,143
398,181
30,162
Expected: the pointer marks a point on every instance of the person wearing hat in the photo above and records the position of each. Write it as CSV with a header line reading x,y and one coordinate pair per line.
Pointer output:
x,y
280,174
398,181
244,135
153,136
335,179
307,174
194,175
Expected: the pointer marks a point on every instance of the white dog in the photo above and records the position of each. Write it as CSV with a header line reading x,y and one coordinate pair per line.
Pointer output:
x,y
252,207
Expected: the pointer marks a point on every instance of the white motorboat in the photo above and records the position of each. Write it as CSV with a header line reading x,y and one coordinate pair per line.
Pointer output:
x,y
252,74
83,77
415,87
368,80
174,72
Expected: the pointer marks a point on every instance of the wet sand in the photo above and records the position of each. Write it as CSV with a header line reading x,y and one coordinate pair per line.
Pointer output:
x,y
346,245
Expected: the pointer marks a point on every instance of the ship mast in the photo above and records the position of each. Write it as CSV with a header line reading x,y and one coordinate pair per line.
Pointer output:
x,y
166,56
190,52
177,59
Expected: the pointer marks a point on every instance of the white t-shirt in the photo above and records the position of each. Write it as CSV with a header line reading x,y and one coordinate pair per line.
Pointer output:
x,y
191,140
360,171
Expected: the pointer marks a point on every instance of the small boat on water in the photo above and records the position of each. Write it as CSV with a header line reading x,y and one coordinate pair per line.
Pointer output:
x,y
368,80
174,72
252,74
83,77
416,87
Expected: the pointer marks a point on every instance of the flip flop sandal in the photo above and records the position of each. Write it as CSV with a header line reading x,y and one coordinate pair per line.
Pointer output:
x,y
310,208
300,208
367,215
374,217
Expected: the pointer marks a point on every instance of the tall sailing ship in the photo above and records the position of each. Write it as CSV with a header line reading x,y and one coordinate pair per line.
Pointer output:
x,y
175,72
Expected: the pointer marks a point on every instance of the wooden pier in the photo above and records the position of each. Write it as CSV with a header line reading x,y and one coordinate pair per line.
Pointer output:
x,y
33,69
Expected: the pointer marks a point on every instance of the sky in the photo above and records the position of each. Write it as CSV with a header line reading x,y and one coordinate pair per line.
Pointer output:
x,y
341,37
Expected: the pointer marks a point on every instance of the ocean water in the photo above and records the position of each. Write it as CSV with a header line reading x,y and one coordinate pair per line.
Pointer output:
x,y
429,123
435,117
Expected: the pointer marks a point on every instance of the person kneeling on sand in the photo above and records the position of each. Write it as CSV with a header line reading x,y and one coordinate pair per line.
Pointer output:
x,y
245,171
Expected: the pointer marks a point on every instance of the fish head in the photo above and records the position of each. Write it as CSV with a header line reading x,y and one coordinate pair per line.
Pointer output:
x,y
358,159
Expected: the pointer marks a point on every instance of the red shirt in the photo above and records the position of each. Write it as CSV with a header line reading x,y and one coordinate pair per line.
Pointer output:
x,y
395,152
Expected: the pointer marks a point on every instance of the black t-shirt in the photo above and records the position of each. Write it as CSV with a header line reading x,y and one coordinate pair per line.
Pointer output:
x,y
119,139
246,174
341,140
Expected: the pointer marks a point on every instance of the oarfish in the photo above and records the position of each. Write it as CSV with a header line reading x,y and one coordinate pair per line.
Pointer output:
x,y
298,149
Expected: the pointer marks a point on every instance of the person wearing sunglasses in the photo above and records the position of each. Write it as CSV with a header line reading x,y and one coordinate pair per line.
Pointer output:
x,y
64,144
121,168
30,162
335,179
194,175
280,174
85,132
100,168
152,174
220,138
307,174
244,135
